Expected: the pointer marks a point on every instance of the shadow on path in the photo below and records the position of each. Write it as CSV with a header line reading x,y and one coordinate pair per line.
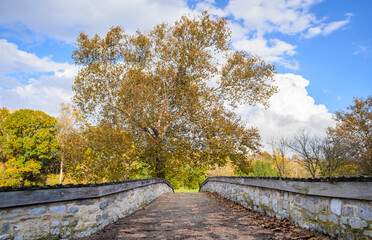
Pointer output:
x,y
199,216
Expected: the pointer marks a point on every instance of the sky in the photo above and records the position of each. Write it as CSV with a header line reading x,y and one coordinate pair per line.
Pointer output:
x,y
322,50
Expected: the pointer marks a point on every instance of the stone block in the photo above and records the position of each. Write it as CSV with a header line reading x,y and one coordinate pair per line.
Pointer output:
x,y
365,212
36,230
322,218
6,226
368,233
58,209
85,202
37,211
18,210
344,222
336,205
333,218
54,231
18,236
355,223
349,211
54,223
312,200
12,216
4,236
65,223
17,227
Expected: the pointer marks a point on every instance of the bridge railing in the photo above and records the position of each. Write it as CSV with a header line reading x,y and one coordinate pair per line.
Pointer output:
x,y
339,207
72,211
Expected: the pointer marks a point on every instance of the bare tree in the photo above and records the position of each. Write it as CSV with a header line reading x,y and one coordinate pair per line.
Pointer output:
x,y
279,150
309,149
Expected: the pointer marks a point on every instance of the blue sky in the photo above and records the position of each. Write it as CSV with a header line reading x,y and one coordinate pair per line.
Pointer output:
x,y
322,51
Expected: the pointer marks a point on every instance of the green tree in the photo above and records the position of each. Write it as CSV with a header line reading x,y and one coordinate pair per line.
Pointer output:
x,y
352,136
263,169
29,142
4,112
168,89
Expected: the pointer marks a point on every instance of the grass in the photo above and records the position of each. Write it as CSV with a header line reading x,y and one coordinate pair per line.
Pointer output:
x,y
185,190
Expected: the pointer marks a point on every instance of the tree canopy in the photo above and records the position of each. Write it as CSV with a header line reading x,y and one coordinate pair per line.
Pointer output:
x,y
352,135
28,140
173,89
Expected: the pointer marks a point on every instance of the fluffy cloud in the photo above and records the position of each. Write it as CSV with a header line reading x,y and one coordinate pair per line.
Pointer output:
x,y
27,81
260,18
273,50
291,110
63,20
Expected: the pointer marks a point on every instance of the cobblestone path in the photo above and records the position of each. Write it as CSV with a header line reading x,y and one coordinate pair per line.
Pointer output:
x,y
199,216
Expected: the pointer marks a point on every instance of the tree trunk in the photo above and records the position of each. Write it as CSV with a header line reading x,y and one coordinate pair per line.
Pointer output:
x,y
61,171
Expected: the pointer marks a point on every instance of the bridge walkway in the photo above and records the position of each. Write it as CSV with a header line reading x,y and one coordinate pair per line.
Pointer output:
x,y
200,216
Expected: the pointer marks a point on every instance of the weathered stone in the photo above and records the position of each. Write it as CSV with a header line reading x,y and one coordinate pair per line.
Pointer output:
x,y
368,233
29,218
18,236
343,221
349,211
58,209
322,218
6,226
103,205
4,236
54,223
36,230
73,210
333,218
17,227
265,201
36,211
312,200
336,206
355,223
18,210
365,212
54,231
275,205
65,223
85,202
45,217
67,217
10,217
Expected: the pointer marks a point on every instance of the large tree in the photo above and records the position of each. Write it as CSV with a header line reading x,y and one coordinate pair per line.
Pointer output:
x,y
352,135
29,141
173,88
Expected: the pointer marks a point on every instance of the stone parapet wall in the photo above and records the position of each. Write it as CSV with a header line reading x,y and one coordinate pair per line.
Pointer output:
x,y
78,217
342,210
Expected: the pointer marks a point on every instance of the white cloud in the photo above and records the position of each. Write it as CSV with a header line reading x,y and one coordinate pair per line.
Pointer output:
x,y
44,92
325,29
273,50
63,20
291,110
262,17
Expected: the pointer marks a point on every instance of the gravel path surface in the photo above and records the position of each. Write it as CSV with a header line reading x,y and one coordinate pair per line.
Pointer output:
x,y
200,216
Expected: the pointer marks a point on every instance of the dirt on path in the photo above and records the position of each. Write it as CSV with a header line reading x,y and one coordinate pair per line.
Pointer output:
x,y
200,216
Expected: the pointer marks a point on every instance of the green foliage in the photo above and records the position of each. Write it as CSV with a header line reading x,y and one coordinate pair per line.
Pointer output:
x,y
263,169
29,142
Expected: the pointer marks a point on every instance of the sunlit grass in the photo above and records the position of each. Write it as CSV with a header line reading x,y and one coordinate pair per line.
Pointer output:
x,y
185,190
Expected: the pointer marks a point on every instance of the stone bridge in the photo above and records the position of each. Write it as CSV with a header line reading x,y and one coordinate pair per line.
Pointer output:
x,y
338,207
